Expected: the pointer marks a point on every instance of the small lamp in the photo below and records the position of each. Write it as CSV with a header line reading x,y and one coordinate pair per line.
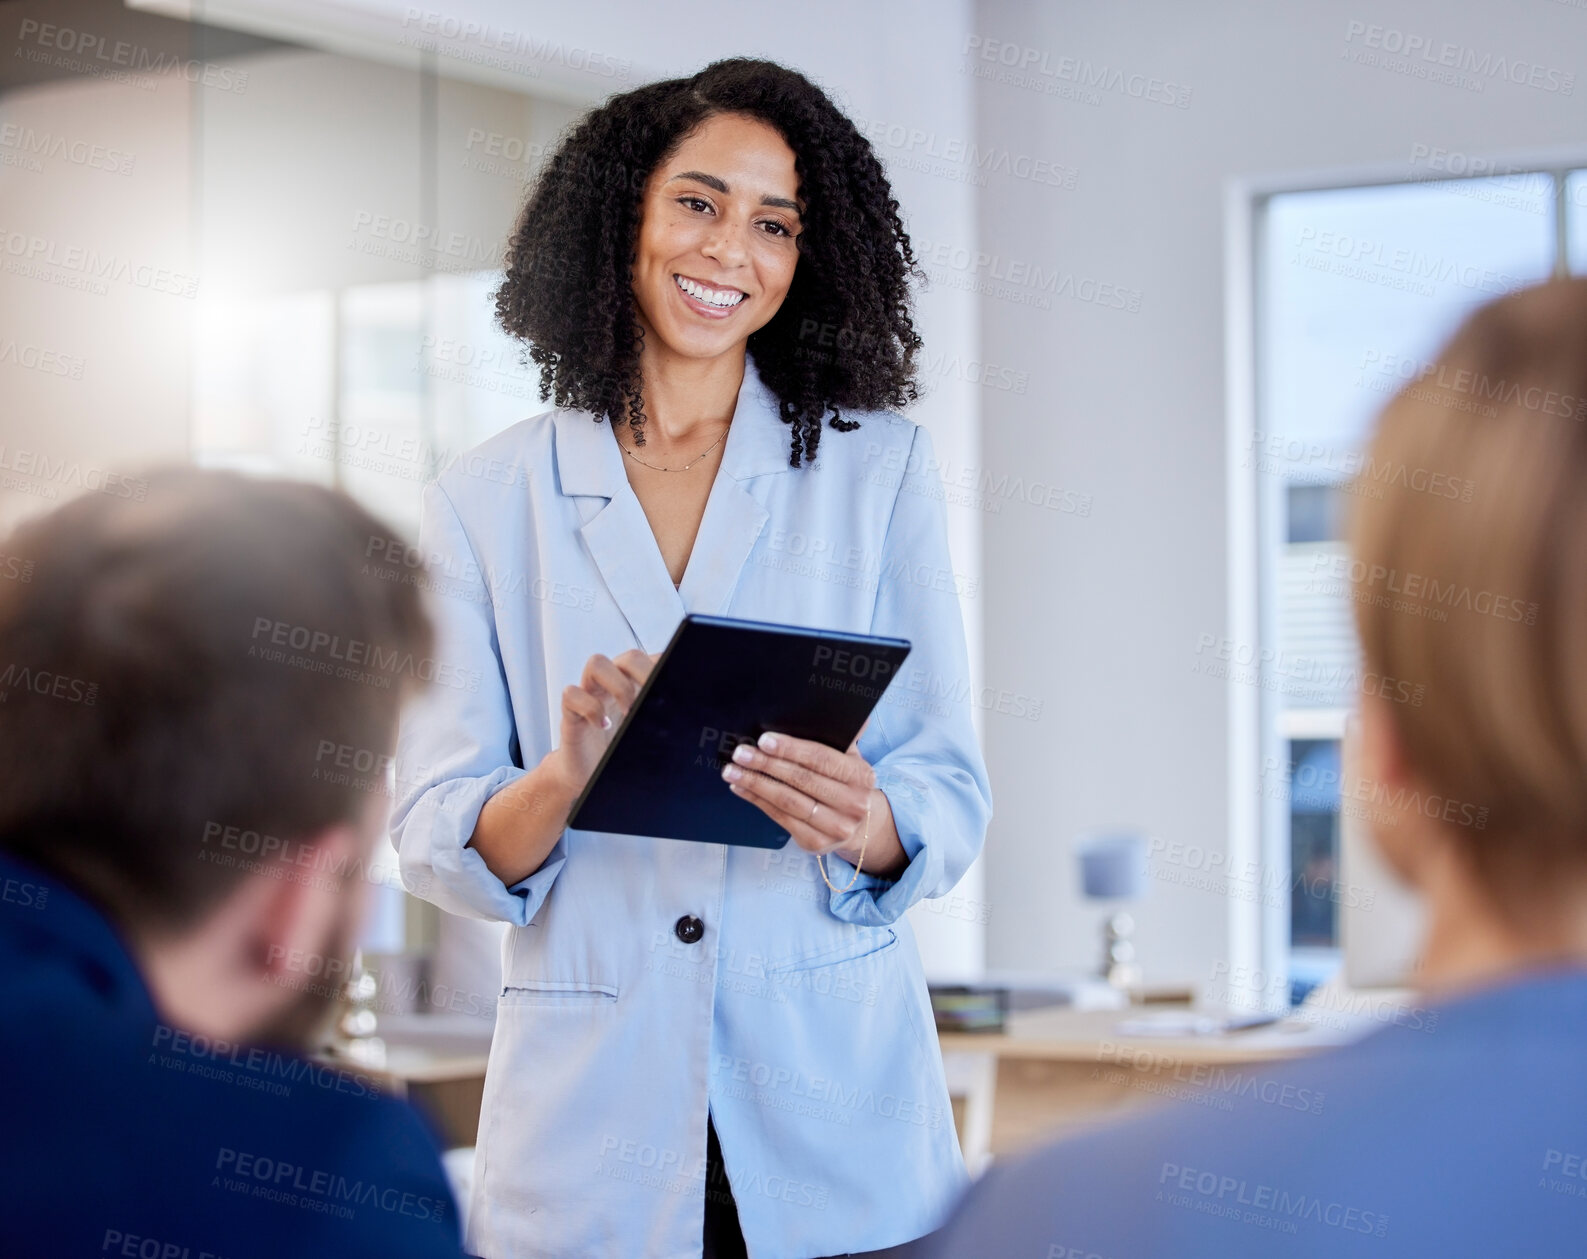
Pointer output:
x,y
1113,868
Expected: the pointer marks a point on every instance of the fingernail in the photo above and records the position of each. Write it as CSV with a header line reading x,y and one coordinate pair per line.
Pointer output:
x,y
744,754
732,773
768,742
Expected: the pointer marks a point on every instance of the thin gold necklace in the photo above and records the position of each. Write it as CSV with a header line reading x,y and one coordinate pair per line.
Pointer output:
x,y
686,466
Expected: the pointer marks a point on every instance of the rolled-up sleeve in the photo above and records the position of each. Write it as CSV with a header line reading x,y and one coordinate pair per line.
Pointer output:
x,y
921,738
457,745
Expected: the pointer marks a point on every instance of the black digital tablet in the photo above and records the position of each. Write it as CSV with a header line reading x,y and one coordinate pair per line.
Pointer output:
x,y
721,682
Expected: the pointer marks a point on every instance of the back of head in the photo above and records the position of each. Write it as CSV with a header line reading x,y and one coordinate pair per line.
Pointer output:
x,y
1470,580
176,664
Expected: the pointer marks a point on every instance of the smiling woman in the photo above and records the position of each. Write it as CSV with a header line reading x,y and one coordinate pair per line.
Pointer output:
x,y
701,1048
807,183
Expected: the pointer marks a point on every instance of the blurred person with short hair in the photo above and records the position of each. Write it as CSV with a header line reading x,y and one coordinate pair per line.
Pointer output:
x,y
180,889
1462,1130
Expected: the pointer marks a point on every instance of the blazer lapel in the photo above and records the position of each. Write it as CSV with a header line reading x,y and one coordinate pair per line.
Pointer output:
x,y
619,537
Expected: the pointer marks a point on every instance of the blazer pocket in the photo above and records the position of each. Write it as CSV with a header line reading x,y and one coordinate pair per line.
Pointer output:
x,y
547,992
866,946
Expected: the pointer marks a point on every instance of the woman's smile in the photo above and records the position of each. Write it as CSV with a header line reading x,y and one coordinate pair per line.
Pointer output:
x,y
718,241
710,301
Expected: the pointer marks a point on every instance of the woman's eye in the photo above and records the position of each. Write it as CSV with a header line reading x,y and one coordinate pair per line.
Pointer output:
x,y
776,228
695,203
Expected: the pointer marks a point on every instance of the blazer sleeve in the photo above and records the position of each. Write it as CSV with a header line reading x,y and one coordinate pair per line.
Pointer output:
x,y
920,738
457,745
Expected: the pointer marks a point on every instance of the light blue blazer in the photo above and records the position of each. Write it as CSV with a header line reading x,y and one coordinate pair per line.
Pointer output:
x,y
800,1020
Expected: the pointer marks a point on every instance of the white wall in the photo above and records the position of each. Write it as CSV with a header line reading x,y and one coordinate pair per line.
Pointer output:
x,y
95,201
885,62
1093,617
1100,616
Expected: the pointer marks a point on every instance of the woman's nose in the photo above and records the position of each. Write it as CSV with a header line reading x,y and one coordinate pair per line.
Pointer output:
x,y
727,243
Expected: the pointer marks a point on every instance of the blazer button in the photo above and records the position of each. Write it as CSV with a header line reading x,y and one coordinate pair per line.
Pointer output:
x,y
689,929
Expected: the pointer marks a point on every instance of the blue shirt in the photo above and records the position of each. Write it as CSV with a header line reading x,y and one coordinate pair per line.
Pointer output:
x,y
1458,1130
124,1135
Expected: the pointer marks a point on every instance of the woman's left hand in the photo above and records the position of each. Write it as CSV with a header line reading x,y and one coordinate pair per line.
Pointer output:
x,y
820,796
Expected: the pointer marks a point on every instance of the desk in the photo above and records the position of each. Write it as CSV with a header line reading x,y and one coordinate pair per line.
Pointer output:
x,y
1058,1071
1049,1073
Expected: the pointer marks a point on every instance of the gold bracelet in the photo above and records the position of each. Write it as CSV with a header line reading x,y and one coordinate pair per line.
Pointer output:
x,y
821,863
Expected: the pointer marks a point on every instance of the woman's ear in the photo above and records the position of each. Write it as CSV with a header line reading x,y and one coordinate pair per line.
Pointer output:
x,y
1378,779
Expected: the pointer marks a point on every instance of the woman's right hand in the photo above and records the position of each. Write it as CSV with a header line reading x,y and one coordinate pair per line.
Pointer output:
x,y
519,826
592,709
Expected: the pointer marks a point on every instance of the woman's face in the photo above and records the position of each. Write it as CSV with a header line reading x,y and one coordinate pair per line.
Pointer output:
x,y
717,231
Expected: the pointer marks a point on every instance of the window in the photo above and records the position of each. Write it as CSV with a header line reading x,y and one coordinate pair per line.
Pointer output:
x,y
344,332
1355,290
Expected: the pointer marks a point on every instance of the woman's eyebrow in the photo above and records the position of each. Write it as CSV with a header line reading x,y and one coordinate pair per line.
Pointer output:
x,y
720,185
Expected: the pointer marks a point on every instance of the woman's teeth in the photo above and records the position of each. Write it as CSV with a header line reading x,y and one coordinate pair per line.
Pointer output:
x,y
711,297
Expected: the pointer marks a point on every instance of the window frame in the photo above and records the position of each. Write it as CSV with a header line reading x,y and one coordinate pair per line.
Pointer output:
x,y
1259,950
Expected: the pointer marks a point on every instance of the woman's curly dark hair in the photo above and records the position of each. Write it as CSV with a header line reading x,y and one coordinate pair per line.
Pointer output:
x,y
843,337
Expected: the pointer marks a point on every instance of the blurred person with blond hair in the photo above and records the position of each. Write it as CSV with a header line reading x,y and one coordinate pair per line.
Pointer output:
x,y
1462,1132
